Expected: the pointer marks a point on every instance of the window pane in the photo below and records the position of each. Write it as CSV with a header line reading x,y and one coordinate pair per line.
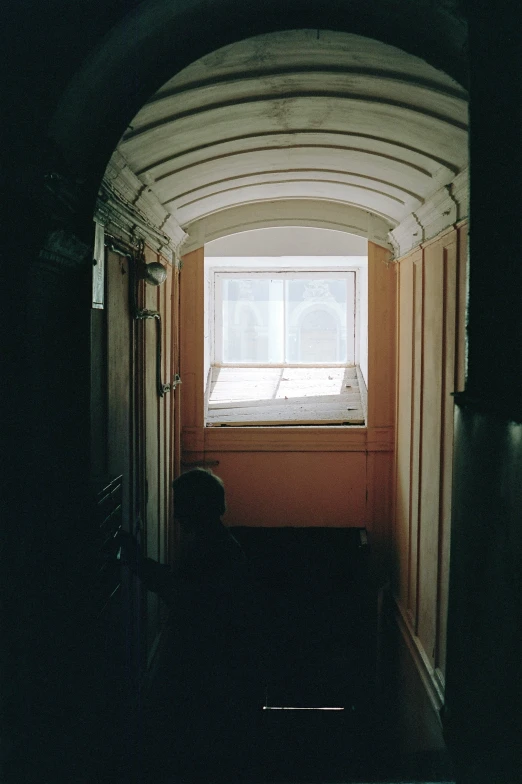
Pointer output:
x,y
316,320
253,320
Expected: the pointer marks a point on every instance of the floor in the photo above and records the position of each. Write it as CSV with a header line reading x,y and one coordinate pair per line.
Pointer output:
x,y
397,738
285,396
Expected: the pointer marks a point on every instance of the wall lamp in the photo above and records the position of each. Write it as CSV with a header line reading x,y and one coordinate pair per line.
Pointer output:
x,y
153,273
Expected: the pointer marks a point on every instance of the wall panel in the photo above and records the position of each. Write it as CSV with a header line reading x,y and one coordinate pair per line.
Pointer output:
x,y
293,488
416,436
431,421
402,531
192,348
449,385
430,368
382,279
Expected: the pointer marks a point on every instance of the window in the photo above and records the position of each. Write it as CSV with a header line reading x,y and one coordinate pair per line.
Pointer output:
x,y
284,346
284,318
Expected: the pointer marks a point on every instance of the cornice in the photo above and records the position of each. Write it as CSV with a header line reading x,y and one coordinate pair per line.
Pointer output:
x,y
128,205
446,207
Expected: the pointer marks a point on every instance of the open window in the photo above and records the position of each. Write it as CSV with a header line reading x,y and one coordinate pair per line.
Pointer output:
x,y
285,340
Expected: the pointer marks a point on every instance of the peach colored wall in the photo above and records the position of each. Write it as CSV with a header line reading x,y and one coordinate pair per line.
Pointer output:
x,y
299,476
293,488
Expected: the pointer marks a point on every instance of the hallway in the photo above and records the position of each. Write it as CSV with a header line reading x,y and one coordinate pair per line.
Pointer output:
x,y
404,741
179,124
333,643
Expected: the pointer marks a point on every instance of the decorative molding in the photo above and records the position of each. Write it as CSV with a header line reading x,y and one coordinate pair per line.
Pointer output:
x,y
289,212
127,204
443,209
287,439
406,236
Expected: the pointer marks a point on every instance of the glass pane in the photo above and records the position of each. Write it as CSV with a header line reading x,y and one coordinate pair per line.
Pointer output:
x,y
316,320
253,321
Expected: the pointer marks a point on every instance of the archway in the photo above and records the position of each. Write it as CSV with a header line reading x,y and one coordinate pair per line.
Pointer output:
x,y
297,127
89,149
331,127
109,46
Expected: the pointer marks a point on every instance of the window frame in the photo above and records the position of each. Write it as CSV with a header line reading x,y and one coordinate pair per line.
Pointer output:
x,y
287,273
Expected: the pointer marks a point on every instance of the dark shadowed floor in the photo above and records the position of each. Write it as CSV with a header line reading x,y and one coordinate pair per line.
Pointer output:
x,y
322,642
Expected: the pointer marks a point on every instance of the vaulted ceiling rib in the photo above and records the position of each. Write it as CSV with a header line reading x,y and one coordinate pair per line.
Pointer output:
x,y
300,115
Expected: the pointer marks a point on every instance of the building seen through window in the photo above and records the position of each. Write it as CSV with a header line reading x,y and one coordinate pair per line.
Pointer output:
x,y
285,318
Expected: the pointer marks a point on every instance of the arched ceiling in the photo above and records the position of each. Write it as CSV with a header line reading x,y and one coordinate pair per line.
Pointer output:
x,y
300,116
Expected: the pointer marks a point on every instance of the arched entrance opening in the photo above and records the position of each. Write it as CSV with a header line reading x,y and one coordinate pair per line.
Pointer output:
x,y
76,77
306,128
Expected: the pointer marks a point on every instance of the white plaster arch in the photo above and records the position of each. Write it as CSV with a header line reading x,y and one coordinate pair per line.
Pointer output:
x,y
295,128
320,214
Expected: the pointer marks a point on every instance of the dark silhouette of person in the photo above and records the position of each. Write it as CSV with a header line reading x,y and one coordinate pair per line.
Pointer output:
x,y
208,692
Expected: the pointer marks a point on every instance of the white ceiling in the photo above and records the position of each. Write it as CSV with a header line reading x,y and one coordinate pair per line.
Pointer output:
x,y
299,116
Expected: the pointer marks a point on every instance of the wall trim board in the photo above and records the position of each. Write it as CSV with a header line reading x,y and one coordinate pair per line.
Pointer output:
x,y
288,439
430,679
363,392
291,439
382,301
380,439
191,316
462,306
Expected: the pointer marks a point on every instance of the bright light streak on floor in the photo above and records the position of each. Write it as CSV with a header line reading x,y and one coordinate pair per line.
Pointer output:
x,y
270,707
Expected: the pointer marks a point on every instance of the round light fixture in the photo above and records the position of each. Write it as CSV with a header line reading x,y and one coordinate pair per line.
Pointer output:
x,y
154,273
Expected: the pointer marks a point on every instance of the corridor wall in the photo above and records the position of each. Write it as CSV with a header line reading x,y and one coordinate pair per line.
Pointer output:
x,y
431,302
132,427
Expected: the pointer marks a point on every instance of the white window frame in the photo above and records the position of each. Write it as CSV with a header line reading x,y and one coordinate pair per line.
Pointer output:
x,y
287,273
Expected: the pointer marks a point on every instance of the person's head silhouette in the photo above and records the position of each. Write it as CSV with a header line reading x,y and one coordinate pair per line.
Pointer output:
x,y
199,497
